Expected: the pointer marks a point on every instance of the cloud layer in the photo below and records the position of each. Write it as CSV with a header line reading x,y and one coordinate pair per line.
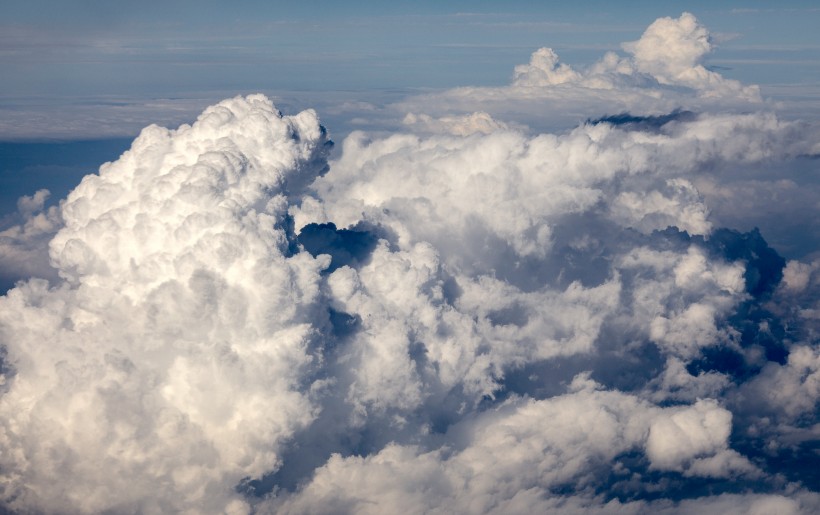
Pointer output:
x,y
465,316
663,71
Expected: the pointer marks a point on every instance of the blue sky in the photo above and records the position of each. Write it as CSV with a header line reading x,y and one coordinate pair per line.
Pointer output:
x,y
79,70
55,55
94,70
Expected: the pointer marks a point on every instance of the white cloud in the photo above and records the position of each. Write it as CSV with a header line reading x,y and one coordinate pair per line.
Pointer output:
x,y
743,504
677,438
165,369
797,276
663,72
543,70
24,240
477,122
792,389
676,383
530,325
514,187
668,53
671,50
509,459
654,210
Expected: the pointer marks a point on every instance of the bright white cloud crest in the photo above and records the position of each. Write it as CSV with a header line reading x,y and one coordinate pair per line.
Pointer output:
x,y
165,369
668,53
463,317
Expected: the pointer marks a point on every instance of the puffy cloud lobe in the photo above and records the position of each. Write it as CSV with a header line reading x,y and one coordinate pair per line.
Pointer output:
x,y
400,298
757,504
791,389
460,317
678,298
510,458
683,435
173,187
797,276
543,69
671,49
478,122
662,73
165,369
24,238
668,53
647,212
515,188
798,293
676,383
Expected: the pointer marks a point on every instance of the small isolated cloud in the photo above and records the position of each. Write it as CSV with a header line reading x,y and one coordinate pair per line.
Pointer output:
x,y
670,50
544,69
467,315
24,239
680,439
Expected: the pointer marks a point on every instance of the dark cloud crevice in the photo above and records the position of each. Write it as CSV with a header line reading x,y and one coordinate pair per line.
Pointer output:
x,y
647,123
346,247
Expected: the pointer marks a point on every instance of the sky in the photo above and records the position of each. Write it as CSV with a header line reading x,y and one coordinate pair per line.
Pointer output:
x,y
428,257
95,69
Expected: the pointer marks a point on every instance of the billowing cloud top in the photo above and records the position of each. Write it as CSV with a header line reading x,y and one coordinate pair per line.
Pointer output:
x,y
662,72
166,367
669,54
462,317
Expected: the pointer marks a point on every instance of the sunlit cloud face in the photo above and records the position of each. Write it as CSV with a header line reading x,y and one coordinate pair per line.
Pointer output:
x,y
467,315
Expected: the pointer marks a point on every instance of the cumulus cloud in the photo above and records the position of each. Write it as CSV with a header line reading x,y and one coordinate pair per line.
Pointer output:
x,y
677,439
671,50
25,237
509,459
663,71
467,315
477,122
152,378
544,70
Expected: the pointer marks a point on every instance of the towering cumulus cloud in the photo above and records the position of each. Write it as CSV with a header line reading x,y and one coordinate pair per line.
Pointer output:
x,y
167,364
663,71
466,316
